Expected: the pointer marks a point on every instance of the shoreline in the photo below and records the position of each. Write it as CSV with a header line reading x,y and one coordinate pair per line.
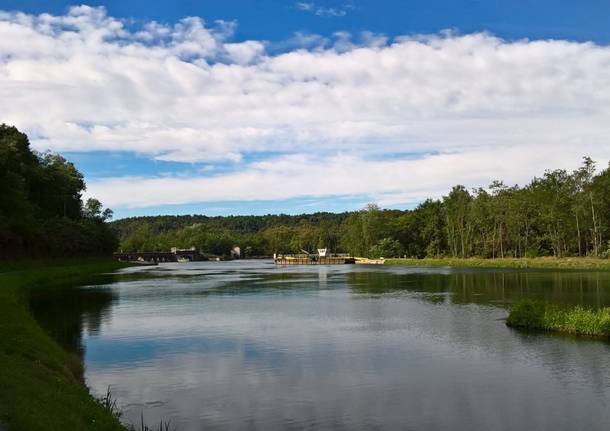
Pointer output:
x,y
42,383
567,263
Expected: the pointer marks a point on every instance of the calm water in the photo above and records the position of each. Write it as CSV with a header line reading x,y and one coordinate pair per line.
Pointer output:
x,y
246,345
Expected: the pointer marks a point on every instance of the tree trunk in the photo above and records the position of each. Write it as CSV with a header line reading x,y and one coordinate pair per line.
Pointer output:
x,y
501,243
595,234
578,233
493,243
526,239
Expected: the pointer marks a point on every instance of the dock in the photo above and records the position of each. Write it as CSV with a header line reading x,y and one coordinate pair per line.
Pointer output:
x,y
367,261
313,259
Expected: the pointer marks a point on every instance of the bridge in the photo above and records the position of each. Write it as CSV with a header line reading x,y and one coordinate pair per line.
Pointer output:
x,y
175,255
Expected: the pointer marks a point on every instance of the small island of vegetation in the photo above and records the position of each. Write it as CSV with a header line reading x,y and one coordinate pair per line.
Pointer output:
x,y
529,314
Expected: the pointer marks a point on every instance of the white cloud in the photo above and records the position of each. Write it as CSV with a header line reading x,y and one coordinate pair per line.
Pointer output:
x,y
475,106
245,52
323,11
388,182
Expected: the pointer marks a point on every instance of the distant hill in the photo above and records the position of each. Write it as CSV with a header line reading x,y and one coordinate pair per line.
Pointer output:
x,y
559,214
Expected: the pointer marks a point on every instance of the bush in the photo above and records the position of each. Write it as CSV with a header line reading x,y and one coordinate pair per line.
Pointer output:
x,y
527,314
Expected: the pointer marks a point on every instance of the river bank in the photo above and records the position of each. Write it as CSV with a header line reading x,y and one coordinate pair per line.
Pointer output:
x,y
42,383
574,263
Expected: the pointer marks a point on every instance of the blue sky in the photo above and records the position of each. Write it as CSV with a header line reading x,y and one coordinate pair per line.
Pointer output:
x,y
278,20
258,107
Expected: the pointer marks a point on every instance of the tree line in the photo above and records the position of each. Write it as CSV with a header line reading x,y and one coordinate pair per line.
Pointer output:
x,y
41,209
560,213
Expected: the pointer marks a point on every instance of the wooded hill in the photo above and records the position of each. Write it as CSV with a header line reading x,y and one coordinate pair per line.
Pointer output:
x,y
558,214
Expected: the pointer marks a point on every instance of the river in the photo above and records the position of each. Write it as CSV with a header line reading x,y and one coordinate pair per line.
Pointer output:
x,y
247,345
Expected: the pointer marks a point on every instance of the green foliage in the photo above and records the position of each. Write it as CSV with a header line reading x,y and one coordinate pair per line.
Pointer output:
x,y
41,212
387,247
527,314
256,235
559,214
576,320
94,210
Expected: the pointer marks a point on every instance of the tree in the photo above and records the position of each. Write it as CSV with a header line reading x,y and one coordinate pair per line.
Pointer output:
x,y
41,212
387,247
364,229
459,227
560,213
93,209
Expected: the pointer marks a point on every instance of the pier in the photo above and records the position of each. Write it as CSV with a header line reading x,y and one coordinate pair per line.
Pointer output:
x,y
319,258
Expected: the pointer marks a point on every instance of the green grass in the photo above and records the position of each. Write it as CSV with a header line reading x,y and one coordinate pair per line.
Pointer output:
x,y
518,263
577,320
41,383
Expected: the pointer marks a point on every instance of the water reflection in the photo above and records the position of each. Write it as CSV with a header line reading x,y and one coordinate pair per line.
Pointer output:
x,y
245,345
67,312
590,289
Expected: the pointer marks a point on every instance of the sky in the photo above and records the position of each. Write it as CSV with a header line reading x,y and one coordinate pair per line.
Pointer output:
x,y
256,107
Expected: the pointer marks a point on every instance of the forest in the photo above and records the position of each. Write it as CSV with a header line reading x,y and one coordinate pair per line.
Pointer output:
x,y
559,213
42,214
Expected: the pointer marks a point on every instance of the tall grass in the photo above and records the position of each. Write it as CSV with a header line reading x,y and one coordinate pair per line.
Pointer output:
x,y
109,403
572,263
161,426
575,320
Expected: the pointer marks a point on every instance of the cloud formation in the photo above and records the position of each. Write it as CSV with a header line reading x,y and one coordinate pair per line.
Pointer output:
x,y
397,119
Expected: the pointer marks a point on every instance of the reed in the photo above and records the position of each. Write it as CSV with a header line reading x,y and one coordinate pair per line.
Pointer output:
x,y
109,403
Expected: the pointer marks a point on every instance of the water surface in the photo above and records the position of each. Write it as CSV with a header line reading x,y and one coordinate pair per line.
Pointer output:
x,y
246,345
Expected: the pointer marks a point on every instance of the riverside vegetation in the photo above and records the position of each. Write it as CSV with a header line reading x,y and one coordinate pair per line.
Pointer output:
x,y
567,263
42,383
578,320
43,221
558,214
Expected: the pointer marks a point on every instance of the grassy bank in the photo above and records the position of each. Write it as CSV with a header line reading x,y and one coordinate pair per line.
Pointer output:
x,y
519,263
42,386
575,320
